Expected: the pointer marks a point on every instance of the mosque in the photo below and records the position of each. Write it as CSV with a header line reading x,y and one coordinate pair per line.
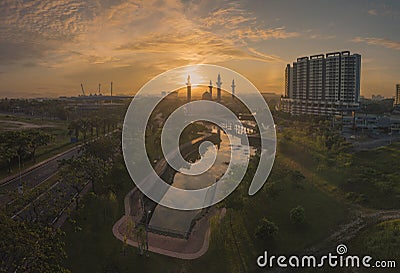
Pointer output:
x,y
208,95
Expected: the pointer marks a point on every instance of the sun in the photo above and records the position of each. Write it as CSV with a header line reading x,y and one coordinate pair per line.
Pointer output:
x,y
196,78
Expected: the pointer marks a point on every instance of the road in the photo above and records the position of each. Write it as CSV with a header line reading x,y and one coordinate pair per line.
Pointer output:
x,y
33,177
52,201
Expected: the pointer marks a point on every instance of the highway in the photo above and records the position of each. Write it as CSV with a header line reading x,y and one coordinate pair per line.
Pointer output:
x,y
33,177
52,201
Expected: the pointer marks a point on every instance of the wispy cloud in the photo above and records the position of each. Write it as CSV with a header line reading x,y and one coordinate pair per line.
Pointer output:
x,y
73,31
197,47
385,9
257,34
240,25
378,41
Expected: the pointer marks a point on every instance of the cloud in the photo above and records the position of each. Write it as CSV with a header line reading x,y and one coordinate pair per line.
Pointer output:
x,y
52,20
385,9
241,25
64,41
378,41
71,31
194,47
31,29
11,52
228,18
257,34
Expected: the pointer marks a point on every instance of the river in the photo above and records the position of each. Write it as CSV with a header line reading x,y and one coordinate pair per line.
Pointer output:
x,y
179,221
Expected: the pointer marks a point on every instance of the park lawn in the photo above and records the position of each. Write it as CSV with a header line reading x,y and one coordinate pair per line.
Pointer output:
x,y
323,215
370,180
91,246
380,241
7,121
375,178
61,142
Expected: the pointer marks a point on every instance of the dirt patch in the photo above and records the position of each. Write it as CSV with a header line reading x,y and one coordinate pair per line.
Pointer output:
x,y
10,125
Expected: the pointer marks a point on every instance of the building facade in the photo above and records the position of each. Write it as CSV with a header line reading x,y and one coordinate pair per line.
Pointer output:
x,y
288,81
397,98
323,84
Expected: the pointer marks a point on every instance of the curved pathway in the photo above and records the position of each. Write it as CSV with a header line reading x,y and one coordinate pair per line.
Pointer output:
x,y
195,246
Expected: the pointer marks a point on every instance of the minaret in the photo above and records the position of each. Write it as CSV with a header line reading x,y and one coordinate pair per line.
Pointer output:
x,y
210,87
219,83
233,88
188,89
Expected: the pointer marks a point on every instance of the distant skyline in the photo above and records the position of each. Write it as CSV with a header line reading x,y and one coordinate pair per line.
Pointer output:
x,y
48,48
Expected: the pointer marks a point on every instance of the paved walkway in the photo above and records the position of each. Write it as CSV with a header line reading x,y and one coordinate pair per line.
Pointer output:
x,y
195,246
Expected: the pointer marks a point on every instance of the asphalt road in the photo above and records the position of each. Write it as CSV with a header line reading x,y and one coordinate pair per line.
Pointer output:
x,y
34,177
48,205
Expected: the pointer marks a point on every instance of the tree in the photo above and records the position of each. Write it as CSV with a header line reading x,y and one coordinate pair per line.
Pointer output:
x,y
30,247
74,126
14,144
130,226
37,139
141,238
84,125
73,173
297,178
96,170
298,215
82,170
7,153
266,229
105,149
272,190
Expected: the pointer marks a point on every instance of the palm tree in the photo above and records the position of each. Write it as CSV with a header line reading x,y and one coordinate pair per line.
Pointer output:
x,y
84,127
141,238
75,126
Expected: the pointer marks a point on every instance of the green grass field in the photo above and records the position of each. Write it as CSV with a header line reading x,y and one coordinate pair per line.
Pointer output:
x,y
89,242
370,179
300,176
380,242
58,129
91,246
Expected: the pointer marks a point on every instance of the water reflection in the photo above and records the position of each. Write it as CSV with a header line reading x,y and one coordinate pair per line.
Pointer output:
x,y
180,221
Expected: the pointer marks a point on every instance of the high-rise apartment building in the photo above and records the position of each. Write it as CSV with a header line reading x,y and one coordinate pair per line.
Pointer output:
x,y
316,85
288,81
323,84
397,98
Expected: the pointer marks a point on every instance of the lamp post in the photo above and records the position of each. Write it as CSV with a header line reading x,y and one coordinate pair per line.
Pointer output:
x,y
20,187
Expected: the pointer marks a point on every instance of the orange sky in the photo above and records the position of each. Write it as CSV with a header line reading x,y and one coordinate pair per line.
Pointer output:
x,y
48,48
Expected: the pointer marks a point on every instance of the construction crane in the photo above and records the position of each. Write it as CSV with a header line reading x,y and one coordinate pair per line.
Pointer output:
x,y
83,90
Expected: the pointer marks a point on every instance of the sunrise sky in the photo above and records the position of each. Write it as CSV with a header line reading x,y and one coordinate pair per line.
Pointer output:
x,y
48,48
